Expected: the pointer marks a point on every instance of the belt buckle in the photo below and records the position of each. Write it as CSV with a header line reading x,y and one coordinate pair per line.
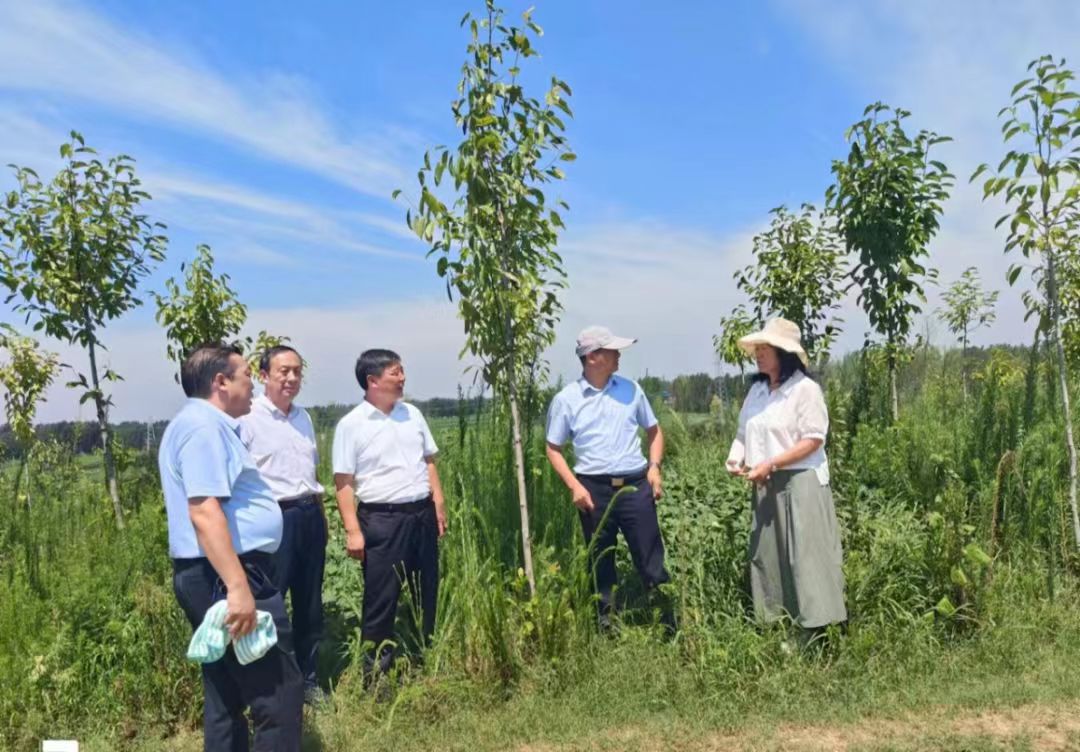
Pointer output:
x,y
617,482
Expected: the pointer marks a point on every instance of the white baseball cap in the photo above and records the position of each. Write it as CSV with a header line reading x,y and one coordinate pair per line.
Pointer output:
x,y
595,338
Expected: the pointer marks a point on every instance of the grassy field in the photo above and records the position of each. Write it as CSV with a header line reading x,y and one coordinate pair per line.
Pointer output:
x,y
914,693
960,583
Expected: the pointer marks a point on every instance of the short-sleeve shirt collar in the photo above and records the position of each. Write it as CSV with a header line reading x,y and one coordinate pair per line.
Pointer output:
x,y
216,412
793,381
785,389
370,411
262,402
586,387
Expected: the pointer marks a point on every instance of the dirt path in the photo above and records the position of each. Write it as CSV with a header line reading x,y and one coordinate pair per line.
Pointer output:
x,y
1042,727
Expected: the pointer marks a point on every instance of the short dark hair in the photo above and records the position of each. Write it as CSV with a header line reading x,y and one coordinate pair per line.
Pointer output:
x,y
268,356
202,364
789,364
373,363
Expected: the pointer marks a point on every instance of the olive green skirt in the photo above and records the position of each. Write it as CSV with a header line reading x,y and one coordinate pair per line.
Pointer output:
x,y
795,556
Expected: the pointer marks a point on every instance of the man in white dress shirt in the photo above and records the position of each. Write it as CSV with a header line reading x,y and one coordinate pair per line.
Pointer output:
x,y
281,439
391,502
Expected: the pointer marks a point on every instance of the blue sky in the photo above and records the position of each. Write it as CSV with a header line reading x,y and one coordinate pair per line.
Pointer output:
x,y
275,132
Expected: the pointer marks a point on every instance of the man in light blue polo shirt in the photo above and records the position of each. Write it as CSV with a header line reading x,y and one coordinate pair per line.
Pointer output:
x,y
224,524
601,414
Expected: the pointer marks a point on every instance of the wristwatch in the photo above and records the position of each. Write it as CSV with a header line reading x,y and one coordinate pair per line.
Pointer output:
x,y
652,465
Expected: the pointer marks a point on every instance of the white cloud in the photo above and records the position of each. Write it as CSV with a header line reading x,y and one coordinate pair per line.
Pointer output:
x,y
668,286
242,214
62,49
952,65
258,227
392,226
425,332
255,253
25,139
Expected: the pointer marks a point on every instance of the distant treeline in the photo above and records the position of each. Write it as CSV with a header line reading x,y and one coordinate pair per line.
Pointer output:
x,y
83,437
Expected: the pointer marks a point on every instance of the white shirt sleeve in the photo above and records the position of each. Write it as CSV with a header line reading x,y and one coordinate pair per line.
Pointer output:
x,y
558,422
430,447
309,428
343,454
811,414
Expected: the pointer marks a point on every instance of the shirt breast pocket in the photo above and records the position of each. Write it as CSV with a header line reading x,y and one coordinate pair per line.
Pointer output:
x,y
367,457
412,445
304,447
619,416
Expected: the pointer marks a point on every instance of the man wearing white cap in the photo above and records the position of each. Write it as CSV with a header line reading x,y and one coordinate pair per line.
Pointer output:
x,y
601,414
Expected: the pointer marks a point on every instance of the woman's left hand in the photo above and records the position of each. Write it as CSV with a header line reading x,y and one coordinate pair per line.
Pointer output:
x,y
760,473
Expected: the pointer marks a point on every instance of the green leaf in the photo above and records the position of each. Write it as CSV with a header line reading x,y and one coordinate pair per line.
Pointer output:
x,y
1020,86
975,555
958,578
945,607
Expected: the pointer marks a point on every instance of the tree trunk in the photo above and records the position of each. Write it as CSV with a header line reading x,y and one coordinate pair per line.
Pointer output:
x,y
106,443
511,390
894,398
24,464
963,367
523,500
1063,384
1031,384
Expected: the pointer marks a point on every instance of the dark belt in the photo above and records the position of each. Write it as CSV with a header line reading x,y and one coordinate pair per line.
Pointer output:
x,y
616,481
300,501
257,558
405,506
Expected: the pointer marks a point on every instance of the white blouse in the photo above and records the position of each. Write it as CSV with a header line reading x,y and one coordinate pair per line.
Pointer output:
x,y
771,422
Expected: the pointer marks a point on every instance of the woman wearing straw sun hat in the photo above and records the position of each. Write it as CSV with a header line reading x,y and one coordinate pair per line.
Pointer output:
x,y
795,555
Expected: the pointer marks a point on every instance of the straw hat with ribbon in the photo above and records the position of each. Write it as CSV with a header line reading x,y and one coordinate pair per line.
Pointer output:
x,y
779,333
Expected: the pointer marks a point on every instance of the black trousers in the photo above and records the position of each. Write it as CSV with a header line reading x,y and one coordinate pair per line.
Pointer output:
x,y
271,686
634,514
402,546
299,565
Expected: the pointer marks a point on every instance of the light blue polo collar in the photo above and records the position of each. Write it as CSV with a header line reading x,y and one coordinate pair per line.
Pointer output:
x,y
586,386
217,413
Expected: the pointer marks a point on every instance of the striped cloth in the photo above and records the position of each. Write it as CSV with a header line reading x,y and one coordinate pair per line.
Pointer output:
x,y
212,637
